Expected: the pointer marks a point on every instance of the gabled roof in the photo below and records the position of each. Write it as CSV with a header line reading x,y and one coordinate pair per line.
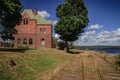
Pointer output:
x,y
38,18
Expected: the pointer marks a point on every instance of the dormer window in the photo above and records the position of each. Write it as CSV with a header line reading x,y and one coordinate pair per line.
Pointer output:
x,y
25,21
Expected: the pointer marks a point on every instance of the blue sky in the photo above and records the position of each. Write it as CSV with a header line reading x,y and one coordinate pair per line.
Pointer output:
x,y
104,19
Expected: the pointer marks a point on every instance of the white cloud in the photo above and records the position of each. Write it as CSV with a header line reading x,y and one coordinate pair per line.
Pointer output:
x,y
112,37
54,22
57,36
95,27
102,38
89,33
87,38
44,14
118,29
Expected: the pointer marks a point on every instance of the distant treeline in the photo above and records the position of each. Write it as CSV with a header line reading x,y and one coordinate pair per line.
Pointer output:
x,y
97,46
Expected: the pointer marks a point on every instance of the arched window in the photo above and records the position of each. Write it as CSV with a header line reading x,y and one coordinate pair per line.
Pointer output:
x,y
30,41
25,21
44,31
42,42
18,41
40,30
24,41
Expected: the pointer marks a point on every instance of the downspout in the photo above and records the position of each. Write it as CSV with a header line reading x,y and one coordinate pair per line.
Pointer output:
x,y
36,36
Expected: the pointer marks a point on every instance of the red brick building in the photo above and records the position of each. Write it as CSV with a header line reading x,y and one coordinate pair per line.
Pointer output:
x,y
33,31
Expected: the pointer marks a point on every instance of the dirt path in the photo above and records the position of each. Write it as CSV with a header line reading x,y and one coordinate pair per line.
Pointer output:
x,y
87,66
106,70
71,71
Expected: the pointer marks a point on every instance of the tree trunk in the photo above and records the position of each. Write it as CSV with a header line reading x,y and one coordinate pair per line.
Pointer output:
x,y
66,47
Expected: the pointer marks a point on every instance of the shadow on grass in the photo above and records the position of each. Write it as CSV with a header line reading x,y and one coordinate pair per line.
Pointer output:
x,y
73,52
22,50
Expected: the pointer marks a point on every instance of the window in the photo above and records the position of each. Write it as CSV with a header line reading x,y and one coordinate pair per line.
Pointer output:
x,y
18,41
25,21
40,30
24,41
44,31
30,41
42,42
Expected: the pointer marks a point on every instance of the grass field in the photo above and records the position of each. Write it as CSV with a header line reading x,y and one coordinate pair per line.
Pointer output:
x,y
47,64
31,64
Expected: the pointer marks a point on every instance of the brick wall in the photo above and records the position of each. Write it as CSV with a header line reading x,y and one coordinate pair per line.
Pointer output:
x,y
32,30
22,37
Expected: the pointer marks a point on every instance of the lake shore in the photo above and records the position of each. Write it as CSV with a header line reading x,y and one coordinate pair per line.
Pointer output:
x,y
111,50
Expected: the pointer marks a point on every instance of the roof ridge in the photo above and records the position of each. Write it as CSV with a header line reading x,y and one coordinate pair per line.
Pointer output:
x,y
39,18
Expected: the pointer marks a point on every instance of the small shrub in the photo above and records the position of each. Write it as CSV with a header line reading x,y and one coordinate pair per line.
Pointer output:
x,y
23,46
87,49
105,55
61,45
90,56
118,60
19,46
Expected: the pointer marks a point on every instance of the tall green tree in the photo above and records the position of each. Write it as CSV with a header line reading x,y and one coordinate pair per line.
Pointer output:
x,y
72,19
10,16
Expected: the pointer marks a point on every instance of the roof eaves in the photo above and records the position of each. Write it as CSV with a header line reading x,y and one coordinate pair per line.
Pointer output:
x,y
41,20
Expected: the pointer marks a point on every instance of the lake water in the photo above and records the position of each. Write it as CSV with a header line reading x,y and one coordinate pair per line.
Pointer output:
x,y
109,50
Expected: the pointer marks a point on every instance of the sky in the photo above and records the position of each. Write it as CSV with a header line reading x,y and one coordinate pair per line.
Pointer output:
x,y
104,20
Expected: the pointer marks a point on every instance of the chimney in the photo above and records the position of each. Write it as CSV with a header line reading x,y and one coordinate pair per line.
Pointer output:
x,y
35,11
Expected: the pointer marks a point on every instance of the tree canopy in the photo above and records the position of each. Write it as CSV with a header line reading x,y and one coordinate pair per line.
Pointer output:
x,y
72,19
10,16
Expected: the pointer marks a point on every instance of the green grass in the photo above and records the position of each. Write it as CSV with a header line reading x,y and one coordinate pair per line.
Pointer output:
x,y
105,55
31,64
